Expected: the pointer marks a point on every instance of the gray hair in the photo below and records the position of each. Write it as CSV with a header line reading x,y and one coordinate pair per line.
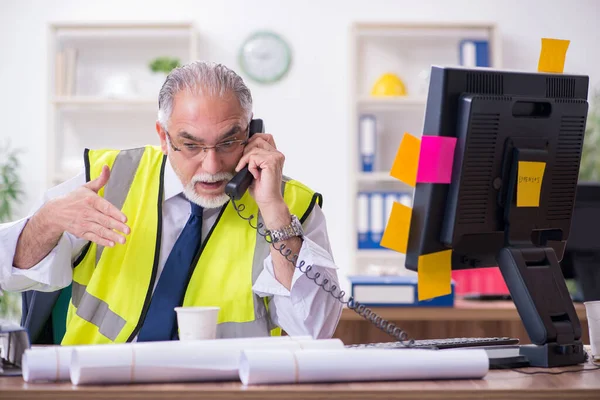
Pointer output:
x,y
202,78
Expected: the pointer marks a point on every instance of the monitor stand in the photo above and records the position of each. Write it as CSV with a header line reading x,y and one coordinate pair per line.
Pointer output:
x,y
536,284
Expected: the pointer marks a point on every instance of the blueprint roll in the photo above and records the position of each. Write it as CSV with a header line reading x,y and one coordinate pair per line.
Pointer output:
x,y
53,363
367,142
43,364
259,367
189,361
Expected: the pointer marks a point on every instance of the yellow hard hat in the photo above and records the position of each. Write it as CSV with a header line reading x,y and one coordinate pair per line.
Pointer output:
x,y
389,84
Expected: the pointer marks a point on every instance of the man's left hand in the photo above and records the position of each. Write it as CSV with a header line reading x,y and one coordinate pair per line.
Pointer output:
x,y
265,163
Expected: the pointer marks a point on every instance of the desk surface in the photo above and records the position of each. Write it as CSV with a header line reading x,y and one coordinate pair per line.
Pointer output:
x,y
496,385
463,310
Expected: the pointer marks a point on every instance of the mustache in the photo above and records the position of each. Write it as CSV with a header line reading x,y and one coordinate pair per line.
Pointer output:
x,y
209,178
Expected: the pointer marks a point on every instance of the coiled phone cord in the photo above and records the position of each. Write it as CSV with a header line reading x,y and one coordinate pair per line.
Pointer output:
x,y
365,312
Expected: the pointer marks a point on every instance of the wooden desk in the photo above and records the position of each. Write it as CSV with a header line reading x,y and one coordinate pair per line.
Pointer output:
x,y
496,385
465,319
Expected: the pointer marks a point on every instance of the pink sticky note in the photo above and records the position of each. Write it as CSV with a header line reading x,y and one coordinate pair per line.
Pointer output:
x,y
435,159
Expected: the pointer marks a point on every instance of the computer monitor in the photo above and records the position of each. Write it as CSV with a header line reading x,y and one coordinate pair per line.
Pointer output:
x,y
582,255
499,119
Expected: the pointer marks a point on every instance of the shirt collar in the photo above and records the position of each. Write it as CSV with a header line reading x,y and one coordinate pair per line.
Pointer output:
x,y
173,186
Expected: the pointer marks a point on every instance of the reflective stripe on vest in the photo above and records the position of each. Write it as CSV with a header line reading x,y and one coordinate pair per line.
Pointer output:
x,y
109,296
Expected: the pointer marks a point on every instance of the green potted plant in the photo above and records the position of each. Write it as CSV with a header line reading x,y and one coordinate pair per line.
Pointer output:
x,y
164,65
10,194
160,68
589,170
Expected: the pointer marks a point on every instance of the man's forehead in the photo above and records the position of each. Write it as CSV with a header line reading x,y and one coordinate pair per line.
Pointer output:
x,y
200,114
194,105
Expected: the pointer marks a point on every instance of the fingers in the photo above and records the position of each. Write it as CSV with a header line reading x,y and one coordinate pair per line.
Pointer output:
x,y
263,136
92,237
100,181
110,223
259,159
106,208
260,143
95,223
247,157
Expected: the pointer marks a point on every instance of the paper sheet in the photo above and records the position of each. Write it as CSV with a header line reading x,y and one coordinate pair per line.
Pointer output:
x,y
52,363
434,275
406,162
278,366
189,362
436,158
553,55
396,232
529,183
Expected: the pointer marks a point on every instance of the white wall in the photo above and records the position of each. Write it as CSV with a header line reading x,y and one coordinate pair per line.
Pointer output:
x,y
310,129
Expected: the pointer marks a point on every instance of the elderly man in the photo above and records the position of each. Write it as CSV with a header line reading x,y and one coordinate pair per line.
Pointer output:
x,y
145,230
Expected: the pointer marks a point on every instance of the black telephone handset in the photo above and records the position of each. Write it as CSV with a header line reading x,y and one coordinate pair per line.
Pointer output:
x,y
236,188
238,185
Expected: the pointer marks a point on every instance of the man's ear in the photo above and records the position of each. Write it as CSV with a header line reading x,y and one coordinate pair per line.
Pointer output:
x,y
163,138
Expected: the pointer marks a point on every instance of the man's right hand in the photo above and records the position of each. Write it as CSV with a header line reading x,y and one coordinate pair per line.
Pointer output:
x,y
87,215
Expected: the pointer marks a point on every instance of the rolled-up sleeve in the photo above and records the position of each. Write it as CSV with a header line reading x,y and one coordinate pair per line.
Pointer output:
x,y
54,271
307,308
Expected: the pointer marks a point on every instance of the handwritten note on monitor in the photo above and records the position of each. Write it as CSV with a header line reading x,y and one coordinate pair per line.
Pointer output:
x,y
435,275
553,55
396,232
436,159
407,160
529,183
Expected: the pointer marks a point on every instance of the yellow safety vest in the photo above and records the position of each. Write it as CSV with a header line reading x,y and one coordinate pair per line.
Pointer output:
x,y
112,287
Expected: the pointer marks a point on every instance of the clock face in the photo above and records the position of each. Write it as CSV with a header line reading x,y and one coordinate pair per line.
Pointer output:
x,y
265,57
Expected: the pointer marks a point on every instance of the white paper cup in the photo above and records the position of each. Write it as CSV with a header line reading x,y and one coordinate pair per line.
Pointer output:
x,y
197,323
592,309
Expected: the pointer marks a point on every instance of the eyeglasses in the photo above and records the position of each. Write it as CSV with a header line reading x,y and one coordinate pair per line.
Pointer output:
x,y
193,150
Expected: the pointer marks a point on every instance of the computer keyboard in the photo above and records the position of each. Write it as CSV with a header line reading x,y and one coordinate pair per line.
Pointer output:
x,y
448,343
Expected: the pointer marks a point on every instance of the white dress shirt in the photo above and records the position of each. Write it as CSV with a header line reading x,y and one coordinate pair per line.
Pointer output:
x,y
306,309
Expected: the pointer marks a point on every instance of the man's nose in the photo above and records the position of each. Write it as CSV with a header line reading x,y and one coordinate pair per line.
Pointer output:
x,y
212,162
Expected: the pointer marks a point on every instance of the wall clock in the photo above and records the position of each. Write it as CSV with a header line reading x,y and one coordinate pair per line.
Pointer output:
x,y
265,57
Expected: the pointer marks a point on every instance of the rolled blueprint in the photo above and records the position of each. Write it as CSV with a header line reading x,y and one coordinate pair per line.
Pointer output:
x,y
189,361
337,365
52,363
46,363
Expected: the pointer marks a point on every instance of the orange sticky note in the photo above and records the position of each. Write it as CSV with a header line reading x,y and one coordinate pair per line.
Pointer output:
x,y
406,162
395,236
529,183
434,275
552,55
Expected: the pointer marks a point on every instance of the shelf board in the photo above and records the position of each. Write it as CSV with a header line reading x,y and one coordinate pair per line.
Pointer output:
x,y
103,102
372,177
418,30
379,254
122,29
391,103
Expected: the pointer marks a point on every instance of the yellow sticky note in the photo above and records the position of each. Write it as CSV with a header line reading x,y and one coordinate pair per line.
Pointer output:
x,y
552,55
395,236
529,183
406,162
435,275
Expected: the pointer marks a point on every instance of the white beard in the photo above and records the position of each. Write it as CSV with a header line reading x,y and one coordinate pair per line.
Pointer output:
x,y
207,201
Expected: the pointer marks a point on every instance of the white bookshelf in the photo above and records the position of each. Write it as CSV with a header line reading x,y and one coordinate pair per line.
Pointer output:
x,y
102,93
407,50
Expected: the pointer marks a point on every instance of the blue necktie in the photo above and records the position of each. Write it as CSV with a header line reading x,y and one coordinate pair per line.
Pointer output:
x,y
161,318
